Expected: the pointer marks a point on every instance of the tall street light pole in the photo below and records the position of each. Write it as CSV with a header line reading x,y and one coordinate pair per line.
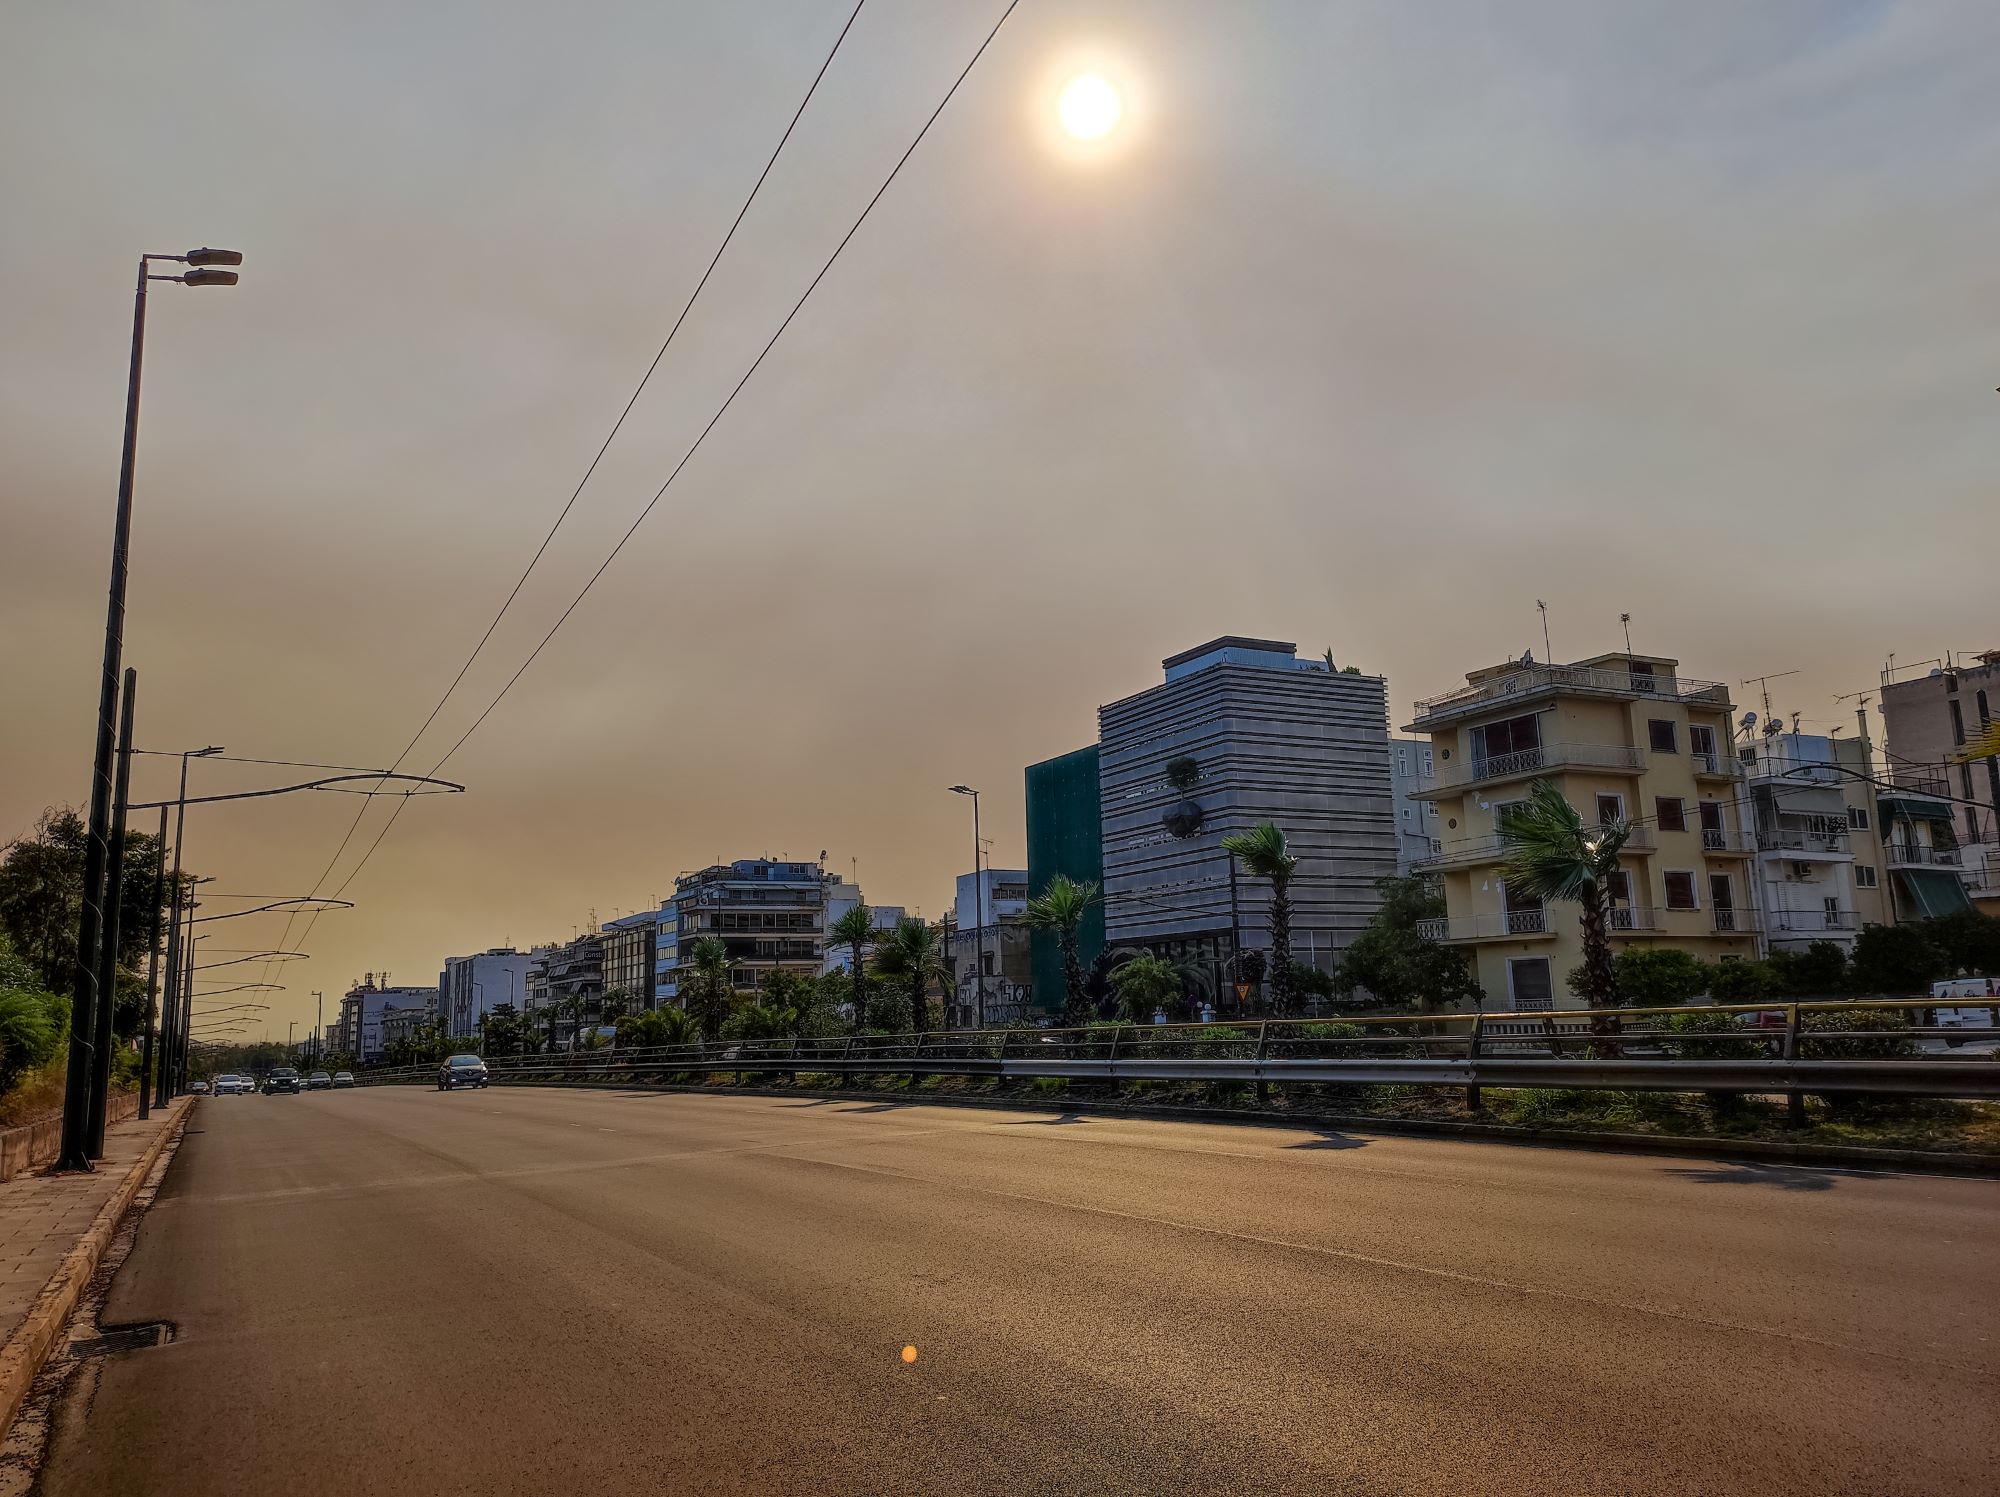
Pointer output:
x,y
978,911
102,1033
156,922
75,1154
169,1016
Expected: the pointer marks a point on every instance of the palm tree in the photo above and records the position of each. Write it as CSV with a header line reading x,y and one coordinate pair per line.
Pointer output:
x,y
1553,853
1147,985
1263,854
1060,909
709,1002
910,955
855,930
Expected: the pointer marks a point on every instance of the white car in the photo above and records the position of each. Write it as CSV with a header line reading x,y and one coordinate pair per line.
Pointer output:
x,y
230,1086
1964,1017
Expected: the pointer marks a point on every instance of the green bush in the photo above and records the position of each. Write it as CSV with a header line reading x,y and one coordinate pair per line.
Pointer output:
x,y
1653,977
32,1028
1890,1046
1744,982
1707,1036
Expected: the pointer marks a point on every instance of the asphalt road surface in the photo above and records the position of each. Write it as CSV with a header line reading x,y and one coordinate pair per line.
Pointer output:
x,y
593,1292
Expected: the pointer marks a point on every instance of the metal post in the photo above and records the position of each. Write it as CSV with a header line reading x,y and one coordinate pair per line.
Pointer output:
x,y
979,921
75,1153
1263,1040
1472,1099
1795,1102
156,922
103,1035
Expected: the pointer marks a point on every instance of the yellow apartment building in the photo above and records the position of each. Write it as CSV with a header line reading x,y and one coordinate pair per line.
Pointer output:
x,y
1626,739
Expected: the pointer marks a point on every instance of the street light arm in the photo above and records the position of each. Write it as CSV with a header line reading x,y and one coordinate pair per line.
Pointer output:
x,y
444,787
322,901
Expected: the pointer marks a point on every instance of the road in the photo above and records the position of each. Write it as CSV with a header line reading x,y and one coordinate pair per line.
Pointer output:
x,y
520,1291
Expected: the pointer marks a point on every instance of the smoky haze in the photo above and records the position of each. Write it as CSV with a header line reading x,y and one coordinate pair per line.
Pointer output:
x,y
1372,324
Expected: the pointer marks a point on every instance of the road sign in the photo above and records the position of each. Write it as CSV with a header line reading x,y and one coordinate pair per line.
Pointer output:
x,y
1243,992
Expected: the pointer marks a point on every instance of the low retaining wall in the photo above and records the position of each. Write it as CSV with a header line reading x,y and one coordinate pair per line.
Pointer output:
x,y
35,1144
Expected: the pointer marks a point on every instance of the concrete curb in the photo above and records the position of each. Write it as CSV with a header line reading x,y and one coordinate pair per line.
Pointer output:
x,y
22,1356
1835,1156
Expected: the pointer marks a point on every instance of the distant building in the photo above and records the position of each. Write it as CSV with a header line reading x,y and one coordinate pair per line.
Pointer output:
x,y
567,972
362,1008
1625,739
768,913
471,985
1411,773
1928,722
1065,837
631,958
1265,737
842,896
988,938
406,1024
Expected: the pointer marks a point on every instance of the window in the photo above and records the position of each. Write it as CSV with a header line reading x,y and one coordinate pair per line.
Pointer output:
x,y
1669,813
1864,876
1619,886
1680,892
1985,717
1857,818
1402,760
1719,892
1528,984
1642,675
1503,809
1610,808
1711,815
1513,735
1701,741
1427,763
1957,722
1661,732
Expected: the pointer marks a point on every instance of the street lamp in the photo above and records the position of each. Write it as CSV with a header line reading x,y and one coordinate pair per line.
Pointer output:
x,y
76,1129
978,912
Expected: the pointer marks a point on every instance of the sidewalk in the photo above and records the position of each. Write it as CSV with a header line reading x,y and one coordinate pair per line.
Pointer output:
x,y
53,1232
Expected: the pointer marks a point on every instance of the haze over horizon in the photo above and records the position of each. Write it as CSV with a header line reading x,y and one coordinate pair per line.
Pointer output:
x,y
1369,326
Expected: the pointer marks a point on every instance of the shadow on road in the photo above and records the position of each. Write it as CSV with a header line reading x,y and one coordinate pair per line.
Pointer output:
x,y
1066,1116
1779,1176
877,1107
1328,1138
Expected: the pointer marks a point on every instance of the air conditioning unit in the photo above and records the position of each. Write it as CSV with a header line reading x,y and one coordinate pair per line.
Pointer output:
x,y
1802,873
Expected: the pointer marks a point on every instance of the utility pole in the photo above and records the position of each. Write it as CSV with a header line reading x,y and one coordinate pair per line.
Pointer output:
x,y
978,912
156,922
103,1036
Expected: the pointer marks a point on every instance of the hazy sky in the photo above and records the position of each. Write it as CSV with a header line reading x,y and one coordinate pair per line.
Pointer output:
x,y
1371,325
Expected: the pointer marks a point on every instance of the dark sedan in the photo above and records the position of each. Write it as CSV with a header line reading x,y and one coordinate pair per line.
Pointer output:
x,y
461,1070
284,1079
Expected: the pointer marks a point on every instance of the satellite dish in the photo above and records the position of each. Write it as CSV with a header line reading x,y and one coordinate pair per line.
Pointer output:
x,y
1772,728
1749,720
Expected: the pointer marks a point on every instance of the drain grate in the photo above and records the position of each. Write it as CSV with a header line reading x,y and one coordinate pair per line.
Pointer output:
x,y
123,1338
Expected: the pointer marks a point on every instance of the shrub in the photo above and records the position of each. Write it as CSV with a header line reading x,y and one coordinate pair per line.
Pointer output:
x,y
1652,977
32,1027
1896,959
1707,1036
1891,1046
1744,982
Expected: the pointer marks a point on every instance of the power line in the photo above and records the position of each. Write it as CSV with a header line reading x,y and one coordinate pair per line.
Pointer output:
x,y
721,411
603,447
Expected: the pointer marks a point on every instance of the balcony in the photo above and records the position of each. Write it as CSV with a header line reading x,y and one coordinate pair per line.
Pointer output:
x,y
1477,852
1809,922
1715,767
1718,842
1632,918
1608,758
1793,843
1574,680
1915,855
1734,922
1510,925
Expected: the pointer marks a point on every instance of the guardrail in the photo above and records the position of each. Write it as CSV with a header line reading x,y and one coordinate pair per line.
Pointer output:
x,y
1760,1048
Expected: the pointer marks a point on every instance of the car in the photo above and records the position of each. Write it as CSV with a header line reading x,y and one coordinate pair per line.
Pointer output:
x,y
343,1078
319,1081
228,1085
461,1070
284,1079
199,1089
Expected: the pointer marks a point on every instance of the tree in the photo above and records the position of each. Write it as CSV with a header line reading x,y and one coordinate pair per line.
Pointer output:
x,y
658,1027
1145,985
708,986
1970,942
616,1004
1552,853
501,1031
1896,959
41,904
1744,982
1263,854
855,930
1401,967
33,1021
1059,909
1658,977
1817,972
911,956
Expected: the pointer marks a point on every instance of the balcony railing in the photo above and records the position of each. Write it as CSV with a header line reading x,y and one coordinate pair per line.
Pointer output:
x,y
1546,757
1632,917
1710,766
1486,927
1728,920
1717,839
1472,852
1913,853
1537,678
1810,922
1789,841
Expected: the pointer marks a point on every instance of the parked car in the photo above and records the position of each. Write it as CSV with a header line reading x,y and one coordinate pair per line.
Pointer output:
x,y
343,1078
319,1081
284,1079
461,1070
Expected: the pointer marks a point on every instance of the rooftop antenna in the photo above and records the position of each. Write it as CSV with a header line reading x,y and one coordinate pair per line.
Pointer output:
x,y
1625,621
1765,683
1548,650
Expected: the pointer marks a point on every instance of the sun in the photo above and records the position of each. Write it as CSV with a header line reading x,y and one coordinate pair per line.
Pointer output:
x,y
1089,108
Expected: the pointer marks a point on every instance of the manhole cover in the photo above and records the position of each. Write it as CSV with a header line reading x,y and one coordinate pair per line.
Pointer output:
x,y
124,1338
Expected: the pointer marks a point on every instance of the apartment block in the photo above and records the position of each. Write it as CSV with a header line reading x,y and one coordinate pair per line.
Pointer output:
x,y
769,914
1819,863
1929,723
1625,738
469,986
1412,771
631,957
